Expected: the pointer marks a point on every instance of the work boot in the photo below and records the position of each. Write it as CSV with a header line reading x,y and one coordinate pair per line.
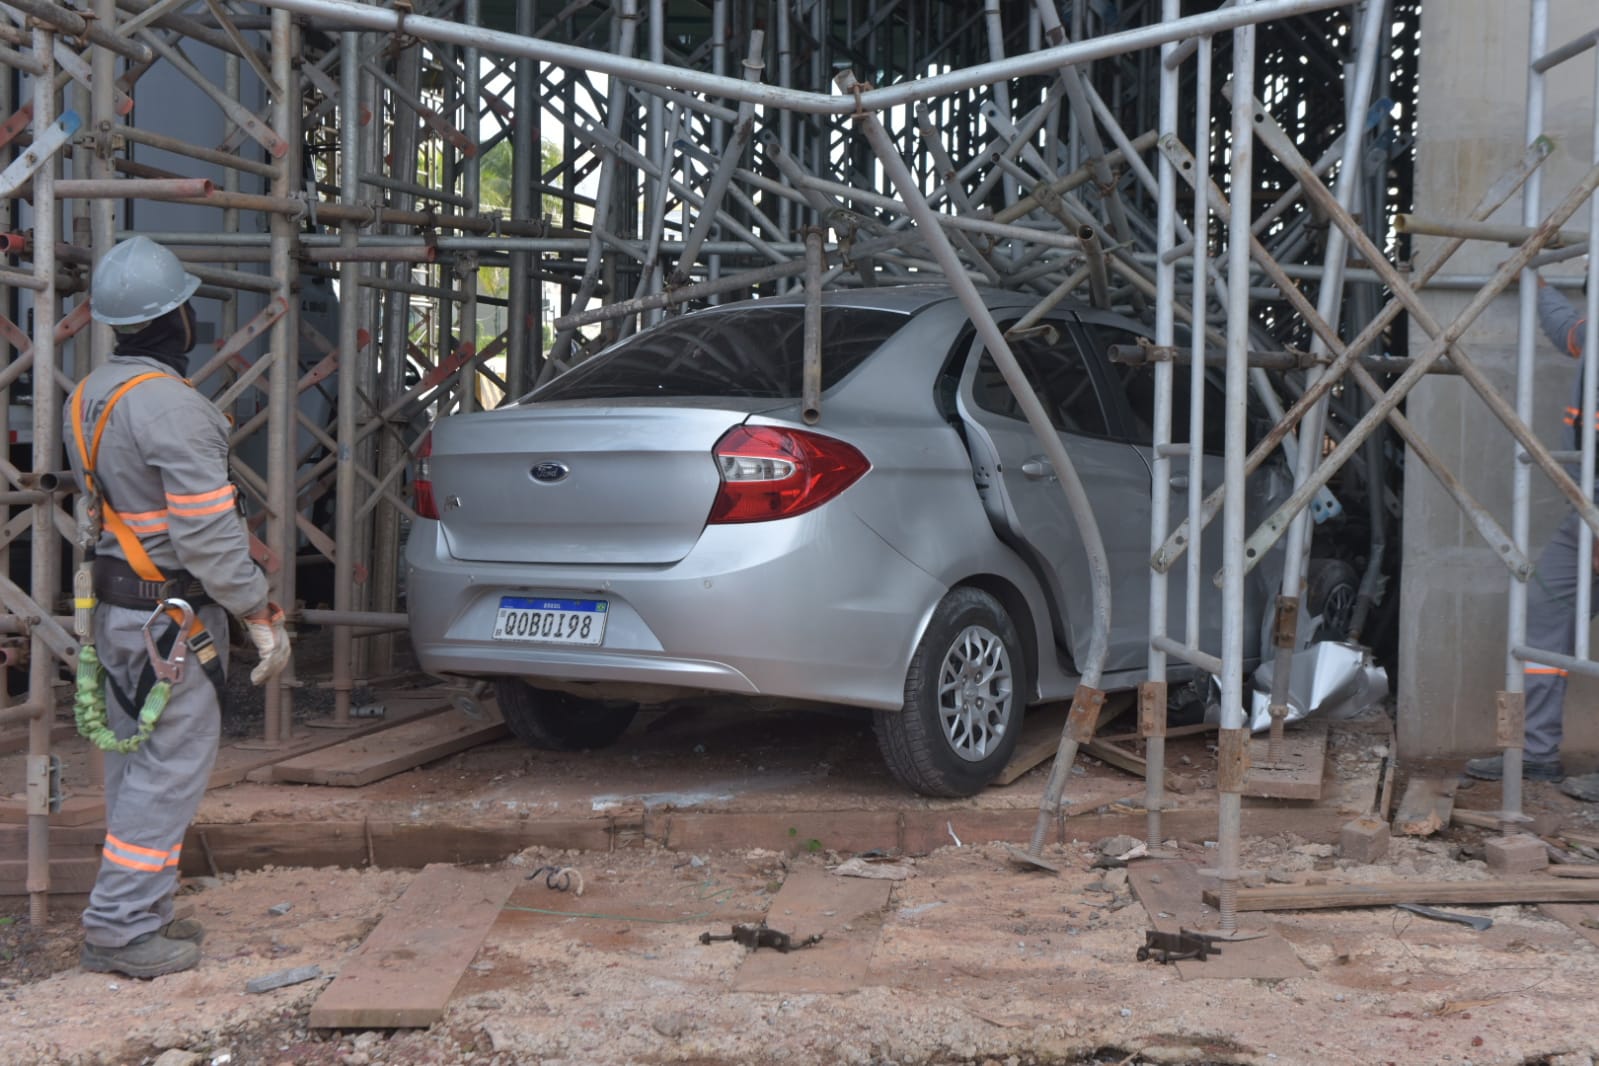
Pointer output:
x,y
184,929
1583,786
150,955
1492,768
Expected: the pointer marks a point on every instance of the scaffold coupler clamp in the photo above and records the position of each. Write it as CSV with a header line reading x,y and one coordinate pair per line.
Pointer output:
x,y
169,667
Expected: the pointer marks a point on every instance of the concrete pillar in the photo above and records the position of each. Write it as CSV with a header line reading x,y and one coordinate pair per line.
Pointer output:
x,y
1470,127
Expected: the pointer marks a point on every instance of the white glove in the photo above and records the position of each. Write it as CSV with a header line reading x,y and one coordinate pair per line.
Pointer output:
x,y
271,642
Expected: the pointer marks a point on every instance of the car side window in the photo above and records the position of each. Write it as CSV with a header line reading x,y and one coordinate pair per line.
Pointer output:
x,y
1059,375
1138,384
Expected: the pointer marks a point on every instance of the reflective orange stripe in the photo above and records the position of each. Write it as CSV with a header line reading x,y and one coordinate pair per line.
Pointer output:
x,y
112,856
136,849
201,497
1554,671
215,508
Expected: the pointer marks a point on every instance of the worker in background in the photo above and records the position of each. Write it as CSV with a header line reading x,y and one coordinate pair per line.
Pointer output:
x,y
151,455
1552,593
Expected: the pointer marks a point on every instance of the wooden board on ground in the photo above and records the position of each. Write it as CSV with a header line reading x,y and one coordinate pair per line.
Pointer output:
x,y
1172,891
1580,918
1464,893
87,809
362,760
1426,805
68,876
1298,773
1041,730
245,759
816,901
405,972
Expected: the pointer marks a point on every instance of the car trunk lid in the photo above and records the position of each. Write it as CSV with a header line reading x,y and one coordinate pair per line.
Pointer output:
x,y
591,484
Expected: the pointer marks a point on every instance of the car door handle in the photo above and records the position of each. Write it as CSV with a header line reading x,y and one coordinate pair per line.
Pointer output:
x,y
1178,482
1039,469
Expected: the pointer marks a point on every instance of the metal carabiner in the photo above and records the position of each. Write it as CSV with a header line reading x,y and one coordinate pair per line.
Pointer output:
x,y
169,667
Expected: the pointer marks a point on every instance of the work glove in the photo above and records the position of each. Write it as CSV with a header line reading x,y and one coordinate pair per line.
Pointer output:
x,y
271,642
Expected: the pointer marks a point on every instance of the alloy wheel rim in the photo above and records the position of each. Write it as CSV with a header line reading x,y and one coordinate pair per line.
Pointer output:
x,y
975,693
1338,609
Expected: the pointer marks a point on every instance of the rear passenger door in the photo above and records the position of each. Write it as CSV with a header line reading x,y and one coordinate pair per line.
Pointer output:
x,y
1134,388
1023,496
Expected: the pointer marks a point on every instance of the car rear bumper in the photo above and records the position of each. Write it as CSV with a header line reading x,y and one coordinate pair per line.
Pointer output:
x,y
816,607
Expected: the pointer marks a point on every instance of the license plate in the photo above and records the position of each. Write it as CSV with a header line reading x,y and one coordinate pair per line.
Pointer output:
x,y
543,621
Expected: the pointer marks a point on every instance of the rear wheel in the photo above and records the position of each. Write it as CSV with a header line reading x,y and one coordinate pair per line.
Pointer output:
x,y
963,700
1331,588
556,721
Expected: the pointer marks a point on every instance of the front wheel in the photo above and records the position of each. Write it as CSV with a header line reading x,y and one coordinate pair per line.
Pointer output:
x,y
964,693
556,721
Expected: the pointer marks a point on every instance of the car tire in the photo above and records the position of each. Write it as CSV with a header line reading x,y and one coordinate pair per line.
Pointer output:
x,y
1331,588
935,743
556,721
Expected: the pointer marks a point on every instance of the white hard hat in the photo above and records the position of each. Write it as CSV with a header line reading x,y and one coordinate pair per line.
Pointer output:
x,y
138,281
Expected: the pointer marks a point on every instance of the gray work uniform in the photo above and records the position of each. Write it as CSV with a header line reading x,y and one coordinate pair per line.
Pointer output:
x,y
163,464
1552,592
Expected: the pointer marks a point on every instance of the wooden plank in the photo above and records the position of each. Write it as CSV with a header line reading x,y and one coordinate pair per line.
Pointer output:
x,y
1041,731
75,810
815,901
1573,871
64,839
238,760
405,972
253,845
68,876
1298,773
1543,823
404,845
1468,893
791,832
12,742
407,844
1426,805
362,760
1133,763
1171,734
1580,918
1172,891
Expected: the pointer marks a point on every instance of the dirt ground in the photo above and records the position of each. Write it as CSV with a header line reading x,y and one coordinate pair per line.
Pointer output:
x,y
968,960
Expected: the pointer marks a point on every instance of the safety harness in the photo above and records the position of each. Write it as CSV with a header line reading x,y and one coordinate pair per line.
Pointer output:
x,y
185,636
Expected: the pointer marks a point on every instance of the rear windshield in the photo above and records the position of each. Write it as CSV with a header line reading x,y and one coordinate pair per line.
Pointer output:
x,y
753,351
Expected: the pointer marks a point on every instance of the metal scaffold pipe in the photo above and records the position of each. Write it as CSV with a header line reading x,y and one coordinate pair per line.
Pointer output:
x,y
624,66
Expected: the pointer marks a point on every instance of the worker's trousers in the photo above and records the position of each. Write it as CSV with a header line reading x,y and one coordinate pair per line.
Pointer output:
x,y
151,794
1552,626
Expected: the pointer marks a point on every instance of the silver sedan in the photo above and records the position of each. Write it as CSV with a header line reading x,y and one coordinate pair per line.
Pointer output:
x,y
660,522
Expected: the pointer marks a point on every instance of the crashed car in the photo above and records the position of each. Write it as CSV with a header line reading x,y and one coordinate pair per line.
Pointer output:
x,y
660,522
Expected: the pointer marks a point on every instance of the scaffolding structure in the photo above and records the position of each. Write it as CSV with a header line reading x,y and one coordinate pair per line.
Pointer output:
x,y
499,190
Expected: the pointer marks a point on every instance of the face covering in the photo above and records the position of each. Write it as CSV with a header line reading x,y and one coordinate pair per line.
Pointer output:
x,y
167,339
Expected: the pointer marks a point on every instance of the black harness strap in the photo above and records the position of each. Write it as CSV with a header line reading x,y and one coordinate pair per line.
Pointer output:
x,y
202,649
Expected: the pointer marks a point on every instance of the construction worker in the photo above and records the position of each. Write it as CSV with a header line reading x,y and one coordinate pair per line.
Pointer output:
x,y
151,455
1552,594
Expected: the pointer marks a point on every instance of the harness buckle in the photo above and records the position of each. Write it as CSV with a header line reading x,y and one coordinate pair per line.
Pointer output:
x,y
169,667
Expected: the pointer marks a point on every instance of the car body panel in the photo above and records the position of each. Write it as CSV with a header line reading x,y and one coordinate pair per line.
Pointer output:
x,y
828,605
631,483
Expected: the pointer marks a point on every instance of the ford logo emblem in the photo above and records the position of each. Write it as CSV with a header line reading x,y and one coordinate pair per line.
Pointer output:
x,y
549,472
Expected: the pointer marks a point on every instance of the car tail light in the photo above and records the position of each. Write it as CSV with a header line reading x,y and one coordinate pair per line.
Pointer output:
x,y
768,473
423,485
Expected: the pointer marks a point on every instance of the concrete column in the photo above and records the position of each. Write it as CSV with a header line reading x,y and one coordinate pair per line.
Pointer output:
x,y
1470,127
